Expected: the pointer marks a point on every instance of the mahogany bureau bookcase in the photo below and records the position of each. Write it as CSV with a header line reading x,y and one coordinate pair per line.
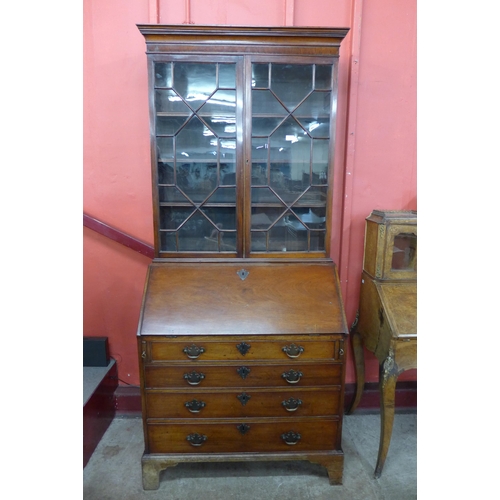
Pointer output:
x,y
242,332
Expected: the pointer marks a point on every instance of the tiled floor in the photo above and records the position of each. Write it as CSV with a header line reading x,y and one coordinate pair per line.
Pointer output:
x,y
114,471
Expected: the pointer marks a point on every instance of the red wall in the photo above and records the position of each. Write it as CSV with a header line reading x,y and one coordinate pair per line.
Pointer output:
x,y
376,139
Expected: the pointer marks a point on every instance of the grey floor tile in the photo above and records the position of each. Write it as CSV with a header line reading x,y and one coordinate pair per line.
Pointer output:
x,y
114,470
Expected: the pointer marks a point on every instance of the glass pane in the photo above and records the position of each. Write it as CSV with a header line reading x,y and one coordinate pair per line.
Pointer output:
x,y
323,77
171,194
222,103
291,82
313,218
320,161
168,241
314,196
227,76
316,105
196,141
263,217
163,74
260,75
227,174
228,241
195,82
259,174
290,143
165,149
259,148
223,195
404,252
292,180
317,241
173,217
258,241
192,234
265,103
165,173
221,241
168,101
265,195
295,236
278,237
169,125
197,180
222,217
313,114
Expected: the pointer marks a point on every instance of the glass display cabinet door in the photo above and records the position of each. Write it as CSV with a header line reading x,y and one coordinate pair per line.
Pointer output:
x,y
290,143
195,132
401,252
404,252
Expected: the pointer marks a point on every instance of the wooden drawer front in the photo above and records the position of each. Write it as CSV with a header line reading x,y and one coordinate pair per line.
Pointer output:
x,y
256,436
243,349
243,375
247,403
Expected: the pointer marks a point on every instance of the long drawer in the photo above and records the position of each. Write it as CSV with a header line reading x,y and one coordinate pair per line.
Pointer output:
x,y
243,375
299,435
238,403
199,348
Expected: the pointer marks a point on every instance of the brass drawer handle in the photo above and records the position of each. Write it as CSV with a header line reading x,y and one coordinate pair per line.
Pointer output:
x,y
292,376
292,404
194,378
291,437
293,350
341,352
193,351
196,439
195,406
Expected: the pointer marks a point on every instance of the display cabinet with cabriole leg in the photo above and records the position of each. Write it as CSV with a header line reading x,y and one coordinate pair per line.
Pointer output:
x,y
242,331
386,324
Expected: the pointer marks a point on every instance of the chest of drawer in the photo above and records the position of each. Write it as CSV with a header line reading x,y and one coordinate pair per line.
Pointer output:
x,y
277,348
205,375
243,436
237,403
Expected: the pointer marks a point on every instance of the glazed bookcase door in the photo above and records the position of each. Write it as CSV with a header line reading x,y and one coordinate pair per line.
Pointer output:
x,y
291,135
242,148
195,122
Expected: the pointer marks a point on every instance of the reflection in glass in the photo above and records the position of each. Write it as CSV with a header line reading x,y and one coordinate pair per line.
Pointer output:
x,y
197,180
263,218
163,75
323,77
404,252
196,156
168,125
260,75
223,218
227,76
172,194
195,82
192,233
165,149
223,195
168,241
168,101
290,156
291,82
173,217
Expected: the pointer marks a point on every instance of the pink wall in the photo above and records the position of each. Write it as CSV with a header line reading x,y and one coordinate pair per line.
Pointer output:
x,y
376,139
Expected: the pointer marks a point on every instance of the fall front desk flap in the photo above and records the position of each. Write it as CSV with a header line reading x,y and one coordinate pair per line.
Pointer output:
x,y
242,298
